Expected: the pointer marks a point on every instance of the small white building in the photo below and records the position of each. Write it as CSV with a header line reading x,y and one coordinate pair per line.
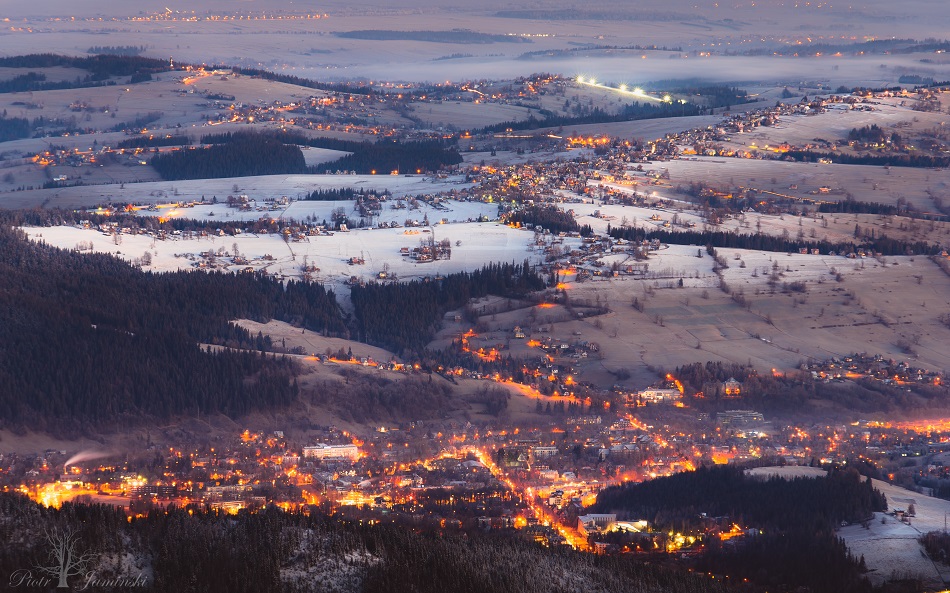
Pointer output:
x,y
656,395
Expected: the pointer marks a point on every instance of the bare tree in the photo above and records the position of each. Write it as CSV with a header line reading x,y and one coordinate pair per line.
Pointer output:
x,y
65,557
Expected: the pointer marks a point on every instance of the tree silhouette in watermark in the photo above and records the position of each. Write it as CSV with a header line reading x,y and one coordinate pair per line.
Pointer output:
x,y
65,558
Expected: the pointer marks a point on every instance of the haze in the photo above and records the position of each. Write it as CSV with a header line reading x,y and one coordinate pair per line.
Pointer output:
x,y
544,37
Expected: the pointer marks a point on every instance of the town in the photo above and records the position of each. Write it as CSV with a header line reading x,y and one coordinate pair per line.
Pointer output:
x,y
536,481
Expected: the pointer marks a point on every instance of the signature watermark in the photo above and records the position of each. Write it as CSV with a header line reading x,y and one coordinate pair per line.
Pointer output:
x,y
68,567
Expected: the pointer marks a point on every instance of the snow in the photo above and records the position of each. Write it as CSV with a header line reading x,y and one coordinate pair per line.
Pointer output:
x,y
315,156
481,243
451,210
256,187
639,216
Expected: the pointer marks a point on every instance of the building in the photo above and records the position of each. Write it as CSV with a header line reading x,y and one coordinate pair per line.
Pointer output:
x,y
732,388
321,451
657,395
595,523
543,452
739,417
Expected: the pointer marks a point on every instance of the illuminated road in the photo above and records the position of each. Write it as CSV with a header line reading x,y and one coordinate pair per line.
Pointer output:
x,y
543,515
624,90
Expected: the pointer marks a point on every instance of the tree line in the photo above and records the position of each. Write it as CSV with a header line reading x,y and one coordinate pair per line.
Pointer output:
x,y
89,339
630,112
882,160
873,134
547,217
716,95
117,50
336,195
852,206
420,156
246,156
14,128
354,89
100,67
405,316
194,549
759,241
279,152
143,141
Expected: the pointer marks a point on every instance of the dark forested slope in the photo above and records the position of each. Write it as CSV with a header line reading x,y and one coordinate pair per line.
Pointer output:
x,y
90,338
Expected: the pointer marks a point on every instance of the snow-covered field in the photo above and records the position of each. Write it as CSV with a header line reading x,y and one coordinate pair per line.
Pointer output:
x,y
451,211
616,215
866,183
315,156
478,244
258,188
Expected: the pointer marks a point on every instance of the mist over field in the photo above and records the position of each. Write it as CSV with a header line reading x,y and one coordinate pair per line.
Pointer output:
x,y
437,41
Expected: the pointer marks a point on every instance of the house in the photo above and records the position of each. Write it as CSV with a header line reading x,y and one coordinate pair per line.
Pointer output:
x,y
543,452
655,395
731,387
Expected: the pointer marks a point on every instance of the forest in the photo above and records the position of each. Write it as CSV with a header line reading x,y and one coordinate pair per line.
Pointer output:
x,y
881,244
117,50
872,134
380,157
382,309
551,218
100,69
14,128
343,193
245,156
878,160
195,550
375,398
385,156
795,545
83,309
352,89
716,95
285,136
852,206
88,339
